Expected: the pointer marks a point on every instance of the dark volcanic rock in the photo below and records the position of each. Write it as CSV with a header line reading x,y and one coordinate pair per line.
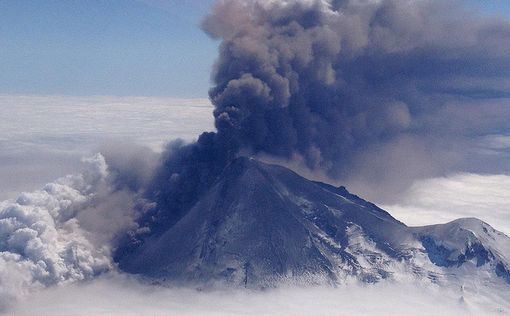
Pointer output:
x,y
260,224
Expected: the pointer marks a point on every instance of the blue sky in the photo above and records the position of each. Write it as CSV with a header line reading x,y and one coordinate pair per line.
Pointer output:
x,y
501,7
113,47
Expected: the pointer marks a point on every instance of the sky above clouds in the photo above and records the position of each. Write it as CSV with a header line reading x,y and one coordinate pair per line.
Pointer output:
x,y
119,47
497,7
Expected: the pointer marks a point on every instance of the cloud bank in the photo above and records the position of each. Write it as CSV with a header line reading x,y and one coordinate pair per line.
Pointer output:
x,y
44,137
430,201
121,295
63,233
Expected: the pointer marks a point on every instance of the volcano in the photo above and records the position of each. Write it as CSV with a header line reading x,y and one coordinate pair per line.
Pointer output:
x,y
259,225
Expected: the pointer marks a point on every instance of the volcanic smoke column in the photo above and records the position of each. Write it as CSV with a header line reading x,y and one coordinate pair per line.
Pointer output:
x,y
322,81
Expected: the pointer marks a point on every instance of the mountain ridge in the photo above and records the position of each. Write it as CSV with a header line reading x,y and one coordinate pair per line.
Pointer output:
x,y
259,224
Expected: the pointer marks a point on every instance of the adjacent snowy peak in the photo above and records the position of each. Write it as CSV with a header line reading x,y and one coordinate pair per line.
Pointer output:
x,y
467,241
260,224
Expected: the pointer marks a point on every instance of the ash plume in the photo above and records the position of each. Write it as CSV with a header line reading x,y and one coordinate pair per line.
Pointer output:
x,y
336,84
328,79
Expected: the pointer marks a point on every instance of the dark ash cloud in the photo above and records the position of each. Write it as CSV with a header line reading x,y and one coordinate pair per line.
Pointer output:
x,y
362,91
328,79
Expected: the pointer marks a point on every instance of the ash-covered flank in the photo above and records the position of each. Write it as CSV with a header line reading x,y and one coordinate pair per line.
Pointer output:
x,y
259,225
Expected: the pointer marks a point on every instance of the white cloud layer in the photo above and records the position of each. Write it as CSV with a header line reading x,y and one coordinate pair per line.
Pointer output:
x,y
67,123
121,295
438,200
44,137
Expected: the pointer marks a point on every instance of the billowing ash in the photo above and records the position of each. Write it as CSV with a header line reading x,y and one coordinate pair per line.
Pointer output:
x,y
326,79
330,82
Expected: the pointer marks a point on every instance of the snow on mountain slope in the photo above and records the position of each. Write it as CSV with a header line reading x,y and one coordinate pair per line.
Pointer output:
x,y
467,243
260,224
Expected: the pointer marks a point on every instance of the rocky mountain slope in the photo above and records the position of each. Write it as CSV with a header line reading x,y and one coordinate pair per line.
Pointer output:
x,y
261,224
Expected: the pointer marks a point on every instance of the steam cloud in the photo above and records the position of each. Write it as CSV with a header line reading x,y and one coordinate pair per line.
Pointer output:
x,y
63,233
42,242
